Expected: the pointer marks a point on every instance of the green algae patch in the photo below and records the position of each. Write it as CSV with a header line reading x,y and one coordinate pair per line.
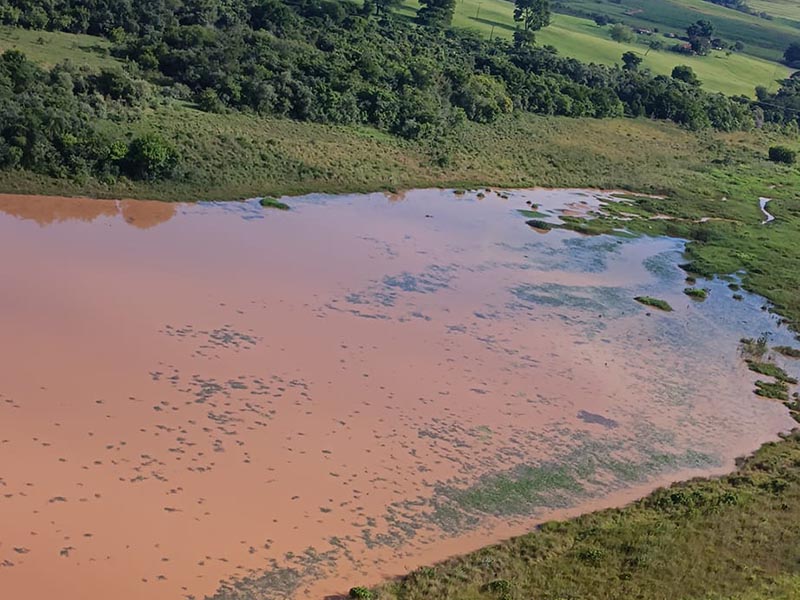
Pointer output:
x,y
654,302
268,202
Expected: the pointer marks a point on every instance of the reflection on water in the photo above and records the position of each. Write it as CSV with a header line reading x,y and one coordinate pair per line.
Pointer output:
x,y
245,401
46,210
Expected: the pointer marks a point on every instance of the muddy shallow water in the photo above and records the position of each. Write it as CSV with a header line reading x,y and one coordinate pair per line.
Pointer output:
x,y
217,399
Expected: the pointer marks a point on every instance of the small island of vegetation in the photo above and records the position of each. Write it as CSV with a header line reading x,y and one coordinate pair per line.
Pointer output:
x,y
654,302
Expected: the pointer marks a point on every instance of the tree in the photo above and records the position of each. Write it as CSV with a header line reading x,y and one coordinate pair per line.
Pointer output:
x,y
700,34
631,61
534,14
792,55
150,157
621,33
523,38
437,14
685,74
782,154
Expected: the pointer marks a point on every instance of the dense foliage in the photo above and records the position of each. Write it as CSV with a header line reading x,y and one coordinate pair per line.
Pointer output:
x,y
337,62
48,121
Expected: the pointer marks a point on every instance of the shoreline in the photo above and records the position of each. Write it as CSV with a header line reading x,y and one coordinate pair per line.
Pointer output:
x,y
395,586
497,532
520,527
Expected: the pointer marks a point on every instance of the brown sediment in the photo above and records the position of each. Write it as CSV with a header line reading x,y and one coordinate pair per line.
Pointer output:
x,y
298,397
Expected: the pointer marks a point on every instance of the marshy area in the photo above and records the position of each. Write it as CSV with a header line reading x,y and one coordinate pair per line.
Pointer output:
x,y
286,402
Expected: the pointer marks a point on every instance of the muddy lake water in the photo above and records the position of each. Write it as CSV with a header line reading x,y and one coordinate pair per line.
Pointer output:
x,y
214,400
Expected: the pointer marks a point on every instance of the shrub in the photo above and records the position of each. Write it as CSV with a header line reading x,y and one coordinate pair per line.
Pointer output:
x,y
150,157
782,154
360,593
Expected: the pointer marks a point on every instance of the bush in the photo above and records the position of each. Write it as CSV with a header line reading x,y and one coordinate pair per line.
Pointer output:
x,y
150,157
360,593
622,33
782,154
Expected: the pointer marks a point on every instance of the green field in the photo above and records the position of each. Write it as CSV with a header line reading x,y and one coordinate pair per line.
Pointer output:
x,y
50,48
785,9
762,38
586,41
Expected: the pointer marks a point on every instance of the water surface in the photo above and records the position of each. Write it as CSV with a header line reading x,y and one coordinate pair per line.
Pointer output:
x,y
217,399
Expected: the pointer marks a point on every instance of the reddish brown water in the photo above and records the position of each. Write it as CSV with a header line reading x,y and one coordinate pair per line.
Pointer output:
x,y
196,396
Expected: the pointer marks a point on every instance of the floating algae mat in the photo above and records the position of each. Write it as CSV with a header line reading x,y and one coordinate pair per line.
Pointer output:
x,y
218,400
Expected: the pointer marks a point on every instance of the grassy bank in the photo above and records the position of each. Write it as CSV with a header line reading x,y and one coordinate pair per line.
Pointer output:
x,y
703,176
733,537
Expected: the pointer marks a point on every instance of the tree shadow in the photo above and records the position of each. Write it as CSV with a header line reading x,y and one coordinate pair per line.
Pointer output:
x,y
492,23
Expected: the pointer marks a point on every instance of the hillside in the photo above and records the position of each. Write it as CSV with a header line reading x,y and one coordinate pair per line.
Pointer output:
x,y
582,38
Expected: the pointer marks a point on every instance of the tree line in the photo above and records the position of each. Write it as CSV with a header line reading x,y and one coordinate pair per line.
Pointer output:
x,y
329,62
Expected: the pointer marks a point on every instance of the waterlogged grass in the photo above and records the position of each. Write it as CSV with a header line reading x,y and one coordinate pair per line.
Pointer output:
x,y
777,390
273,203
733,537
788,351
654,302
696,293
770,370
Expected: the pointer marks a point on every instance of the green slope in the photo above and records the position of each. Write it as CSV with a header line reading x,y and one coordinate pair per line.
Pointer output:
x,y
586,41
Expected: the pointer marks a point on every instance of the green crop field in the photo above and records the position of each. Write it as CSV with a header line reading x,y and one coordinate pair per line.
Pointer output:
x,y
586,41
50,48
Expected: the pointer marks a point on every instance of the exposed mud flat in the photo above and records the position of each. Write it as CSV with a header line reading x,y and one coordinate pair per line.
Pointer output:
x,y
217,399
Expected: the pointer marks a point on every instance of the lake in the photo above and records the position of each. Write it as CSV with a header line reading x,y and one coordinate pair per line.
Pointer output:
x,y
217,399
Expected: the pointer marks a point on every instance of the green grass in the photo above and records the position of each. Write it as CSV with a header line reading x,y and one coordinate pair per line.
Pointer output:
x,y
770,370
273,203
733,537
654,302
696,293
777,390
762,38
50,48
788,351
585,40
785,9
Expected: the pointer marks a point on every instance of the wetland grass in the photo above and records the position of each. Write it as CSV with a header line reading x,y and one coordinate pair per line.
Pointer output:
x,y
788,351
654,302
776,390
269,202
696,293
770,370
731,537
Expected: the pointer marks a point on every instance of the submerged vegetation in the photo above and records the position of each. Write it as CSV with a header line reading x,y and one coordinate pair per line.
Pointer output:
x,y
788,351
723,538
654,302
